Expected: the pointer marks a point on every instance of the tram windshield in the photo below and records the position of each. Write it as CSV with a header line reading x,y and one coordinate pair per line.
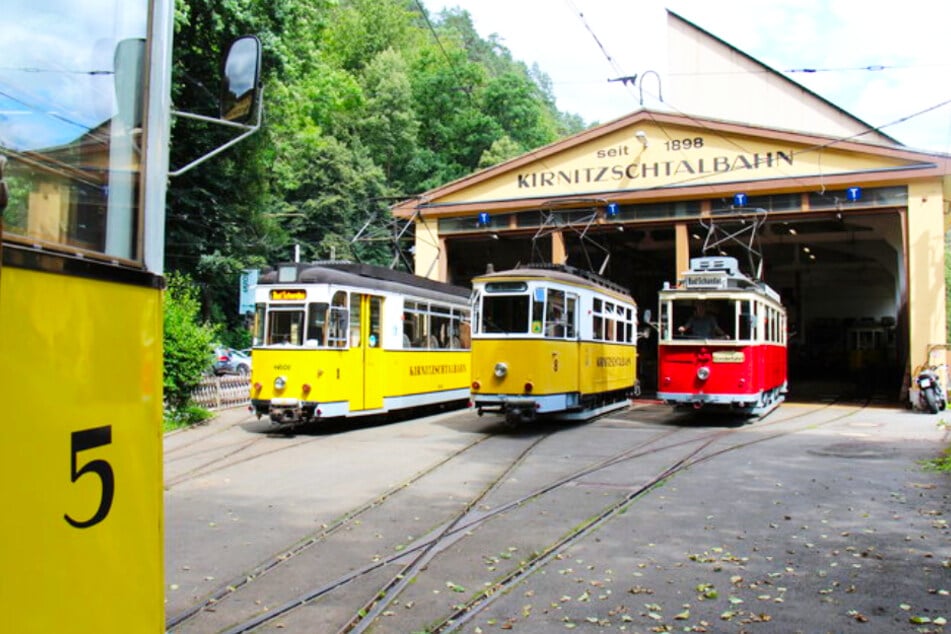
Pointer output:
x,y
71,89
703,318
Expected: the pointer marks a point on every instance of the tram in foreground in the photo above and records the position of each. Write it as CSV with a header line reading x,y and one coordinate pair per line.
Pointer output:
x,y
552,341
722,341
85,94
338,340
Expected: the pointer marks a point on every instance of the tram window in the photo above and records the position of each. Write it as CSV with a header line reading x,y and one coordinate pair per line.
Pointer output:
x,y
505,314
455,329
465,332
746,325
664,320
571,312
476,303
598,328
339,317
555,314
260,312
285,327
316,324
77,190
440,325
373,340
355,320
417,318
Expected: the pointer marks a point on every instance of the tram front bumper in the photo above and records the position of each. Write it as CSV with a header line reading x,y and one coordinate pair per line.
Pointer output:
x,y
283,411
699,399
521,406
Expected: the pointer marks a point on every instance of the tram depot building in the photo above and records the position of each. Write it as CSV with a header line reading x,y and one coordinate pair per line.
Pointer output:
x,y
853,229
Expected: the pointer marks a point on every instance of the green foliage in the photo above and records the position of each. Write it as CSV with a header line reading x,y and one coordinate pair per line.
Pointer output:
x,y
185,416
187,341
362,104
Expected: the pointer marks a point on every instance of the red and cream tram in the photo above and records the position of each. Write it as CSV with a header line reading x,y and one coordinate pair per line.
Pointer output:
x,y
722,340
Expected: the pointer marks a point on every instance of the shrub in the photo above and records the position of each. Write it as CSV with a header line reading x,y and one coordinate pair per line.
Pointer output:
x,y
187,341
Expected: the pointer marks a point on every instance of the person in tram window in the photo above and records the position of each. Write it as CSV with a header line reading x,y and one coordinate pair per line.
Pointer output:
x,y
702,324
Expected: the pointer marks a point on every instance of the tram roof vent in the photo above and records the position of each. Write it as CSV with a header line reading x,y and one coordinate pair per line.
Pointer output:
x,y
709,263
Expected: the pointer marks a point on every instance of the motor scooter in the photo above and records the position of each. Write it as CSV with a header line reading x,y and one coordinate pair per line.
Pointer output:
x,y
931,395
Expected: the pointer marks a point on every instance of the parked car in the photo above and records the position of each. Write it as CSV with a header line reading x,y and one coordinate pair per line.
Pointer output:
x,y
231,361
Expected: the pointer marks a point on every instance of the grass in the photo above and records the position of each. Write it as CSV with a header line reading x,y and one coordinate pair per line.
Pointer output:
x,y
185,417
943,462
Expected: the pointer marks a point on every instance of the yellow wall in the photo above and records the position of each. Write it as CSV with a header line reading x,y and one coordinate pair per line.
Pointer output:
x,y
925,255
430,260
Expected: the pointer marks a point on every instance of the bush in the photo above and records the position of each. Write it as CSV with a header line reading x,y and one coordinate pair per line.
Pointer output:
x,y
187,341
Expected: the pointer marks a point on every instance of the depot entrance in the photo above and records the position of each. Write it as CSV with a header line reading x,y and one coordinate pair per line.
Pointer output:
x,y
840,275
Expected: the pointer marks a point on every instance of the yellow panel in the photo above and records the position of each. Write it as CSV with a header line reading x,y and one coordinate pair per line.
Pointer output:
x,y
338,375
80,370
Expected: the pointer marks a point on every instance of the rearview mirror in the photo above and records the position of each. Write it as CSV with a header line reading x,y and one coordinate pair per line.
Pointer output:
x,y
240,78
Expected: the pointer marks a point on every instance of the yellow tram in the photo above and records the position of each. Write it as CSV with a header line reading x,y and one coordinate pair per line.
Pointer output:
x,y
337,340
81,315
85,91
552,341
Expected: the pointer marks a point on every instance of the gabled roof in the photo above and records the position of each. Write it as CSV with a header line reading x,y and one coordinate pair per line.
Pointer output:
x,y
710,77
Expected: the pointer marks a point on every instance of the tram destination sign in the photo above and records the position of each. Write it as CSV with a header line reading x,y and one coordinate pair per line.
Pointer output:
x,y
288,294
705,280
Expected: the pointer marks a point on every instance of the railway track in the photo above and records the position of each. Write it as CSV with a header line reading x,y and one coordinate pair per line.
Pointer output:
x,y
387,580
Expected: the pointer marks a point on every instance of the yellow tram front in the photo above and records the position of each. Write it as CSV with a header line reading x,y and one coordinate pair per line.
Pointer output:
x,y
339,340
84,135
552,342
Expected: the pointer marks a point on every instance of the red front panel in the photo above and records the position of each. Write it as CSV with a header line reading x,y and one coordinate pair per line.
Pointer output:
x,y
732,369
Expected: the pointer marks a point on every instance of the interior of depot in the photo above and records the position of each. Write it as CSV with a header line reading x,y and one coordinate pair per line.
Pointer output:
x,y
839,268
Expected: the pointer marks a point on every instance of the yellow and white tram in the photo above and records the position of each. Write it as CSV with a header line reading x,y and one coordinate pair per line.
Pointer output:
x,y
338,339
552,341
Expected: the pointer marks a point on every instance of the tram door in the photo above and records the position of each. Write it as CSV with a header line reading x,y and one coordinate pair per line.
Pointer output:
x,y
374,379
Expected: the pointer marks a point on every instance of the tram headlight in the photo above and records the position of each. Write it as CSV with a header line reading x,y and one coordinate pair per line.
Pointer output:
x,y
501,369
280,383
703,373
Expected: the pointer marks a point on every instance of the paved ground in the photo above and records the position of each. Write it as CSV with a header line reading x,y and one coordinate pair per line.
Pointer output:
x,y
834,528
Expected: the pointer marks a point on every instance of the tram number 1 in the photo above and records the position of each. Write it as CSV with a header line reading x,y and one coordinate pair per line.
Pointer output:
x,y
90,439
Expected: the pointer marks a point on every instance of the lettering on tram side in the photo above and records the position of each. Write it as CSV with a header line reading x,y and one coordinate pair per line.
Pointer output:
x,y
438,368
690,166
613,362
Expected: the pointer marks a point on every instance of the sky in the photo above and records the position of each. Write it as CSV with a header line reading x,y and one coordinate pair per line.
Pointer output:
x,y
887,64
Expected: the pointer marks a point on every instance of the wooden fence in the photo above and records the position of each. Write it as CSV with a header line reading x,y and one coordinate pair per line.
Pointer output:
x,y
218,392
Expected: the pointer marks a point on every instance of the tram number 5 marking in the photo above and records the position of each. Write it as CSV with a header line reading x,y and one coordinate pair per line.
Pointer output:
x,y
90,439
